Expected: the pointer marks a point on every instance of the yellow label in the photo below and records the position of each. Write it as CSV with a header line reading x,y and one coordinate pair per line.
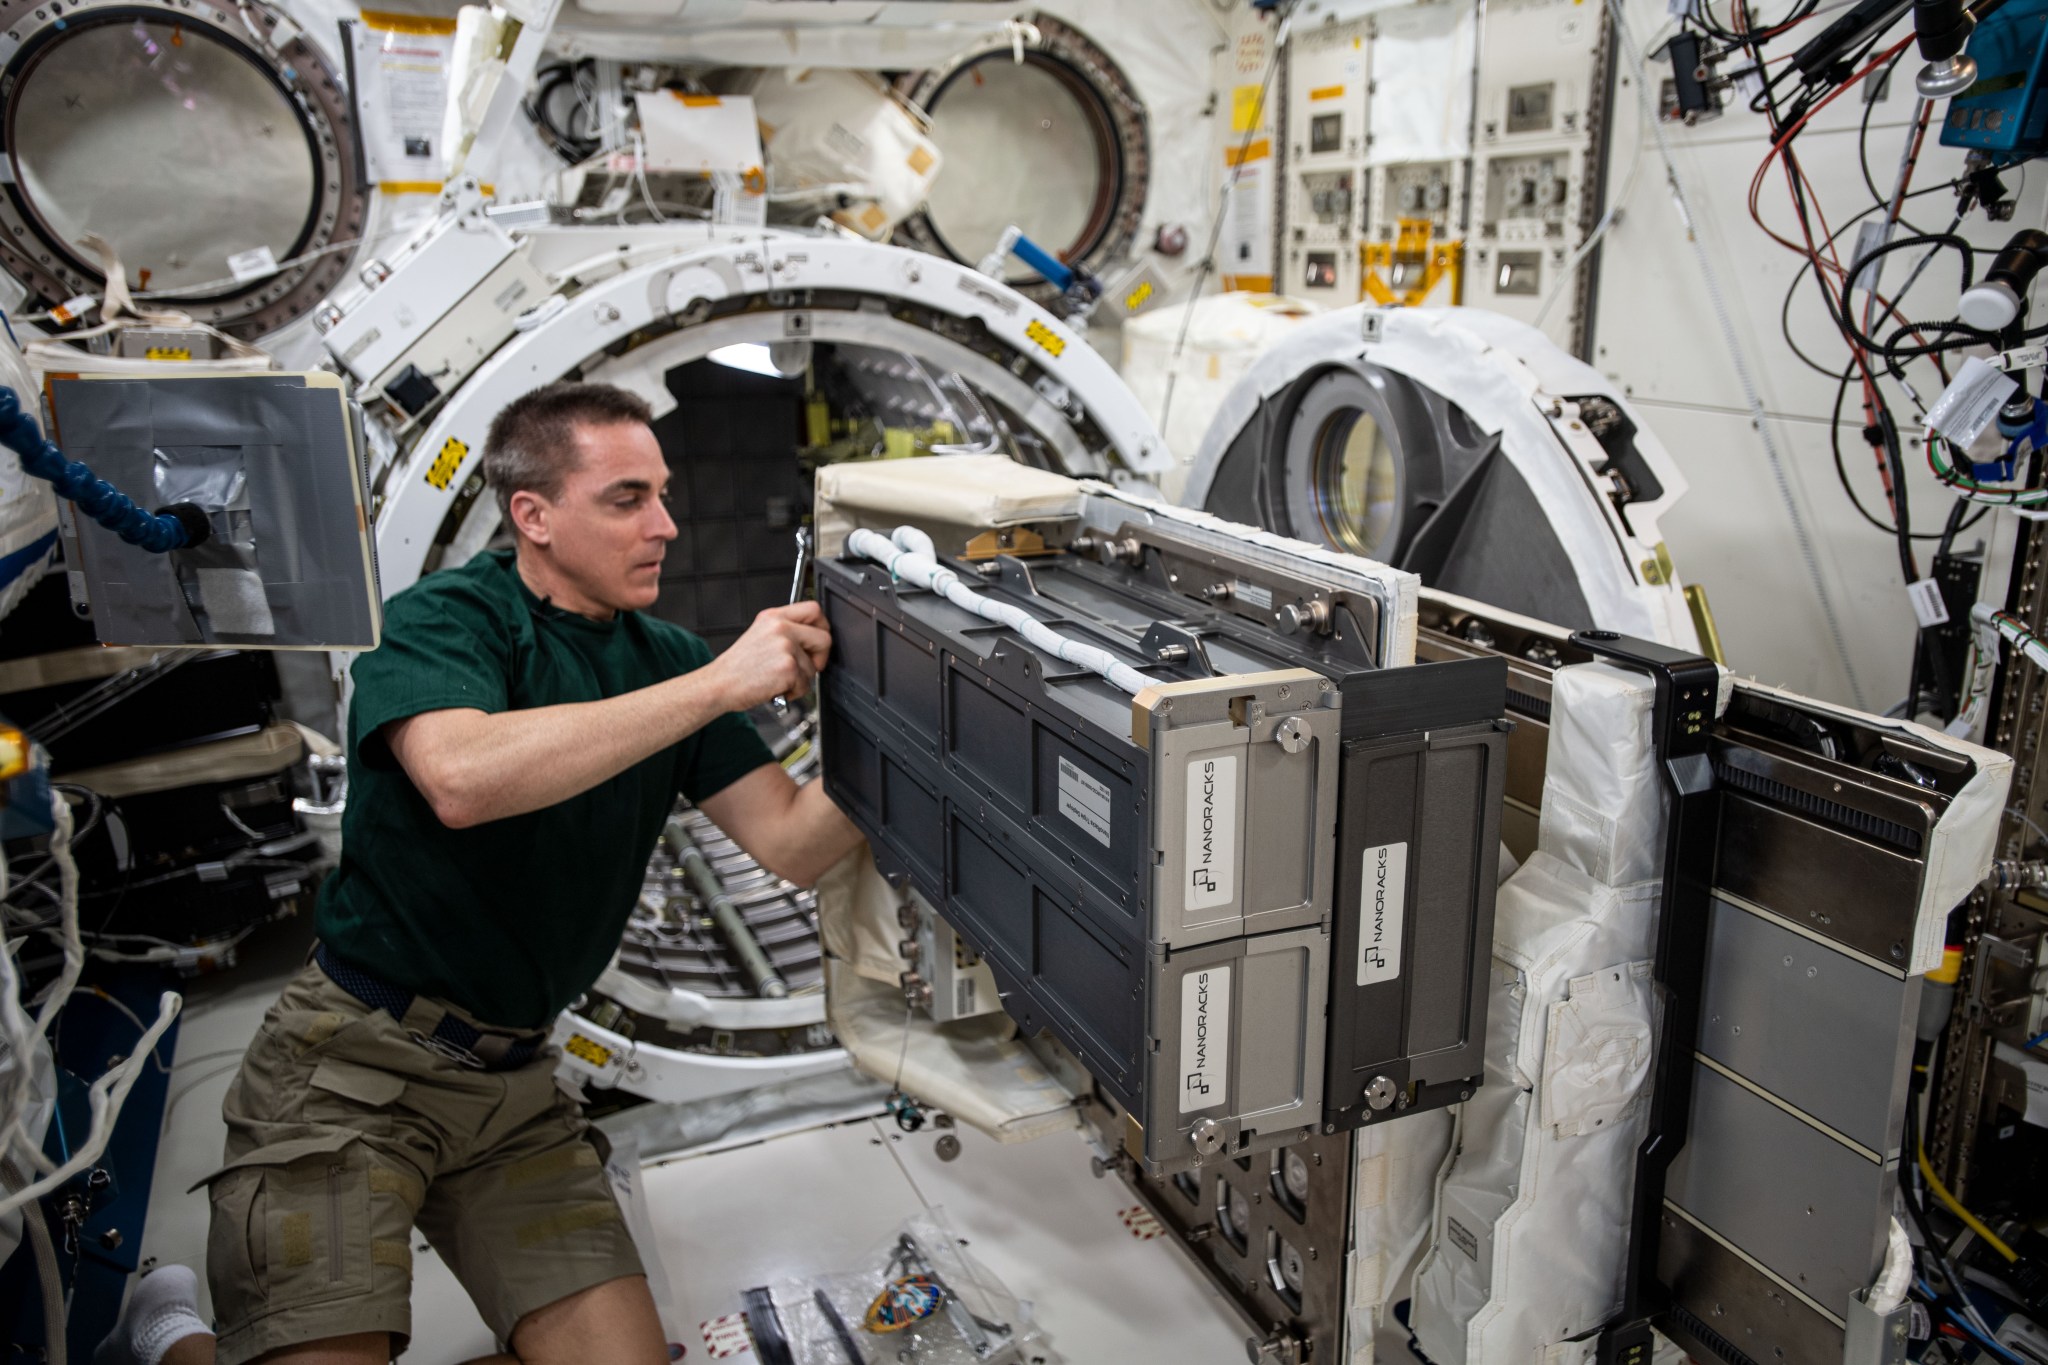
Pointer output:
x,y
1246,108
1137,297
697,101
1048,340
168,353
490,191
387,22
1327,92
1256,150
872,218
441,472
584,1050
920,160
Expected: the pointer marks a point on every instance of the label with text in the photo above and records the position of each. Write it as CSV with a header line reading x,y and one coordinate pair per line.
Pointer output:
x,y
1461,1237
1928,607
1210,869
1204,1038
1382,905
1084,801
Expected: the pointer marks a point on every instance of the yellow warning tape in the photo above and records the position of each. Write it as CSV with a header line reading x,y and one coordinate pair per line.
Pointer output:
x,y
386,22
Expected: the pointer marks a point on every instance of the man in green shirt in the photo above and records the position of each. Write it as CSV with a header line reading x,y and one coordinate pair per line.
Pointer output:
x,y
514,747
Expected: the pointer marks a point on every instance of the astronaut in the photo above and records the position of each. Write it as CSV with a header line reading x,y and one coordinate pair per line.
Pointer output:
x,y
514,748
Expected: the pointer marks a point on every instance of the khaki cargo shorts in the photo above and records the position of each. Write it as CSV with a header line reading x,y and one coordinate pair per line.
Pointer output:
x,y
344,1133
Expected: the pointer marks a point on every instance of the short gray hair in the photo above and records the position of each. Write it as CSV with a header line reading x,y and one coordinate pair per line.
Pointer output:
x,y
532,443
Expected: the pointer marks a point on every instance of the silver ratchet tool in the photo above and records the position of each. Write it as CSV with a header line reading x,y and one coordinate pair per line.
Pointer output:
x,y
796,592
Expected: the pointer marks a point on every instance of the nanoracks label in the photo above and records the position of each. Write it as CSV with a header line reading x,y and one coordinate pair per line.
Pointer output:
x,y
1204,1038
1381,910
1211,862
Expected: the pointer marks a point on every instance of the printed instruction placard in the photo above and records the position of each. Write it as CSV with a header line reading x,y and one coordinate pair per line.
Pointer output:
x,y
400,65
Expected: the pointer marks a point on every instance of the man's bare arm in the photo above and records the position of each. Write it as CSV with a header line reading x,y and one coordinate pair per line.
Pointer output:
x,y
475,766
795,832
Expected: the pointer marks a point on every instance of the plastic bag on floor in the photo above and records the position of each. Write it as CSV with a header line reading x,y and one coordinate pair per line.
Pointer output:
x,y
922,1275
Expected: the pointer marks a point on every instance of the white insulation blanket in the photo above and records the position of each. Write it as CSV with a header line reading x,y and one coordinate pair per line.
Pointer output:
x,y
1533,1209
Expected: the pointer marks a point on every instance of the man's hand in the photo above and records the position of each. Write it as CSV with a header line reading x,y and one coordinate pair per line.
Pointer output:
x,y
780,654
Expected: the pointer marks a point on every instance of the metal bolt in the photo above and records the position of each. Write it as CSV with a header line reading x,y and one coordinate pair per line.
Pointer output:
x,y
947,1148
1379,1094
1173,654
1207,1137
1292,736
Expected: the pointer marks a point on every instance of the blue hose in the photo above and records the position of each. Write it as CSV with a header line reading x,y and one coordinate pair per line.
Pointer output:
x,y
172,529
1056,272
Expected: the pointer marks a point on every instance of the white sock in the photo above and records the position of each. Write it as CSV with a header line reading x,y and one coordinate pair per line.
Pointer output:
x,y
162,1310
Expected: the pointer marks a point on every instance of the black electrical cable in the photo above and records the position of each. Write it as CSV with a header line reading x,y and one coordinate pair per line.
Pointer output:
x,y
1877,84
1879,348
1918,239
1806,264
1842,472
1928,658
1892,351
567,143
1915,1209
1954,526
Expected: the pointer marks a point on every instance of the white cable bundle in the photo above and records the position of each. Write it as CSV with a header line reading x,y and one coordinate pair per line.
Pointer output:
x,y
2022,639
22,1037
909,555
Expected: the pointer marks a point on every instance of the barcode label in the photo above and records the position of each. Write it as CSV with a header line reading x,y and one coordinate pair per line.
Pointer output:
x,y
1928,608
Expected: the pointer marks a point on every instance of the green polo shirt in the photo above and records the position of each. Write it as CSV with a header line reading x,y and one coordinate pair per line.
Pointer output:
x,y
512,919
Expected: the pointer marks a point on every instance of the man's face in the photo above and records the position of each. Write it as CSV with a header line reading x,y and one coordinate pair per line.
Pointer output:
x,y
610,527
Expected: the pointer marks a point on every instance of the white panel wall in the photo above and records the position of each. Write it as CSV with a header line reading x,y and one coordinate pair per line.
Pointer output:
x,y
1656,334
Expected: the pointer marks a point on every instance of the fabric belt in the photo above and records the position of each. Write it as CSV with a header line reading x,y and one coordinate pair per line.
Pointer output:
x,y
453,1038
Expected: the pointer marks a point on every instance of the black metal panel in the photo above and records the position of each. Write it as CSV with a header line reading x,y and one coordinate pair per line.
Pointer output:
x,y
1231,1217
739,493
1436,797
